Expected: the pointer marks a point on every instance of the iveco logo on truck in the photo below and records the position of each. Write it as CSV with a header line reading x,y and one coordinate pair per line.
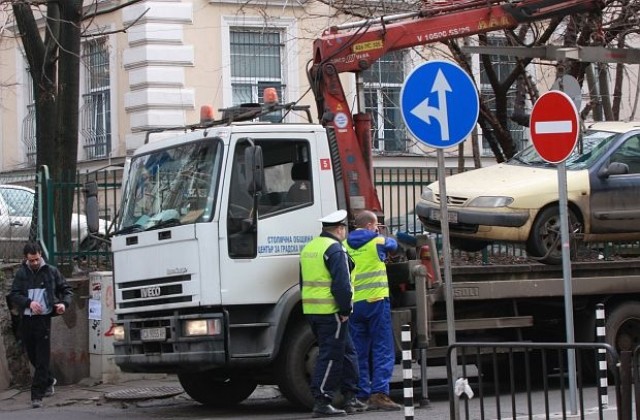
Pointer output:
x,y
149,292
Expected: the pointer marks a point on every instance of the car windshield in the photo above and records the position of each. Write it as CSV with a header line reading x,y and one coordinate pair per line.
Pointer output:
x,y
171,186
594,144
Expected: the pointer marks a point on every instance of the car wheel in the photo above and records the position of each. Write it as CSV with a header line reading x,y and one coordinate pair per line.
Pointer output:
x,y
214,390
544,242
469,245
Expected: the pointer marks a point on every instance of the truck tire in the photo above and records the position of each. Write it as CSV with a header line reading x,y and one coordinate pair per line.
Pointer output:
x,y
295,364
622,327
210,389
544,239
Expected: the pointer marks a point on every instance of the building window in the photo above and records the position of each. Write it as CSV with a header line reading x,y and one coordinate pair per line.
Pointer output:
x,y
503,66
256,63
29,122
95,125
382,86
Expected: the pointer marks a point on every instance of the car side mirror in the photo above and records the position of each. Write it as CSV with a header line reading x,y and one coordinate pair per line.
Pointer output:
x,y
614,168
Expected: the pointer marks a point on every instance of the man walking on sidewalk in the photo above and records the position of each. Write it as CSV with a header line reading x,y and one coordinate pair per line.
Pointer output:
x,y
40,292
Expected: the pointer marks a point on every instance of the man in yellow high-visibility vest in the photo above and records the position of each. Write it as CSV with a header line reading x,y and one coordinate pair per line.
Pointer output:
x,y
370,323
326,289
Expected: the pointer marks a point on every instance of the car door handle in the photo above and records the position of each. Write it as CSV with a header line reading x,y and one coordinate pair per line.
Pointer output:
x,y
16,224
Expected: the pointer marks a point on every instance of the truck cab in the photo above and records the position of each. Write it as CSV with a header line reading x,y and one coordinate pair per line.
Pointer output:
x,y
206,255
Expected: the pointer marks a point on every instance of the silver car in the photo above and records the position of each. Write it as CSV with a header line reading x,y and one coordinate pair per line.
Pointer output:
x,y
16,207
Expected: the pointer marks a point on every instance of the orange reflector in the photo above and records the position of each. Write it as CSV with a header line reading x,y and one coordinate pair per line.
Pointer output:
x,y
206,114
270,95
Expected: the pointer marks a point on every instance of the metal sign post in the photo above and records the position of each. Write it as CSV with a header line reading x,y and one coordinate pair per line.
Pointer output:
x,y
554,133
440,107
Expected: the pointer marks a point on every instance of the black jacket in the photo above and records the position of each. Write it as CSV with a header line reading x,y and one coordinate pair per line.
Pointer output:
x,y
57,288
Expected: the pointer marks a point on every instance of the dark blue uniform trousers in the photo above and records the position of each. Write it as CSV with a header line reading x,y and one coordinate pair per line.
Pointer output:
x,y
337,363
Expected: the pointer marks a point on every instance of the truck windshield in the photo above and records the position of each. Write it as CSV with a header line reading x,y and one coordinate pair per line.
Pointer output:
x,y
171,186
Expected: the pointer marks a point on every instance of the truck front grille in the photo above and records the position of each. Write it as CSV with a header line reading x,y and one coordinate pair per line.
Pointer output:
x,y
157,291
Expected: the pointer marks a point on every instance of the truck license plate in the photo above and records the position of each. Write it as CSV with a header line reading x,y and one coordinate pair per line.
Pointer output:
x,y
453,216
153,334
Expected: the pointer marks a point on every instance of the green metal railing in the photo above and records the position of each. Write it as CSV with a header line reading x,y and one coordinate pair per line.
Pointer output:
x,y
86,251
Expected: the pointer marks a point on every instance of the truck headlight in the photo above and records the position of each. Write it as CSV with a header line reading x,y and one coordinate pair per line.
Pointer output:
x,y
199,327
118,332
489,201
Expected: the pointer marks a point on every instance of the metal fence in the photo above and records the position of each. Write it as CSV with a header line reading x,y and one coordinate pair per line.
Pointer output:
x,y
24,211
399,190
532,380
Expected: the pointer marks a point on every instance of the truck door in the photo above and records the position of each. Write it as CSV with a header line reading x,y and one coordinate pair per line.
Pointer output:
x,y
615,199
259,263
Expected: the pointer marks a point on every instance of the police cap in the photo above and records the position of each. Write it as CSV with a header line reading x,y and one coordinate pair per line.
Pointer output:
x,y
336,218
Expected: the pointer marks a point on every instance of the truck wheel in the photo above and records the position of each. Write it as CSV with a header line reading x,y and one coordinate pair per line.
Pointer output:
x,y
211,389
544,239
622,327
296,361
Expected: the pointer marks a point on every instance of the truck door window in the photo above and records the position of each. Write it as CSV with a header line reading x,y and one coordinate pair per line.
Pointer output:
x,y
288,186
288,182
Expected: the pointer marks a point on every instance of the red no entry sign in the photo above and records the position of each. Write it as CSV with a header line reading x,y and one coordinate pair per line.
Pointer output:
x,y
554,126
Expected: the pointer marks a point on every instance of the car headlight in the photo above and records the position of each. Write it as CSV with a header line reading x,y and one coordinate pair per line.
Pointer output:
x,y
488,201
199,327
427,195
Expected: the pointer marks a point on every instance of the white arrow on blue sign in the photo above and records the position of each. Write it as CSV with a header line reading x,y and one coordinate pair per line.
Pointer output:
x,y
439,104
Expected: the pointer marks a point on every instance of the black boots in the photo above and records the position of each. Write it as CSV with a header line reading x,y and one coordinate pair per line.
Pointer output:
x,y
353,405
325,409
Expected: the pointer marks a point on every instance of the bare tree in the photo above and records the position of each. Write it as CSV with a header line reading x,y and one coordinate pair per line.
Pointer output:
x,y
51,33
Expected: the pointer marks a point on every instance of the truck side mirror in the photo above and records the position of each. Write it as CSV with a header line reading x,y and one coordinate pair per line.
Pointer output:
x,y
91,206
255,169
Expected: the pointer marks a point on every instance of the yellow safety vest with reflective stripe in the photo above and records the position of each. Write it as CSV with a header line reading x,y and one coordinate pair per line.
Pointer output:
x,y
316,278
370,275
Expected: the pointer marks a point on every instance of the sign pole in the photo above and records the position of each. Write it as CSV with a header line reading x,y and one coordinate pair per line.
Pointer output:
x,y
440,107
568,290
448,279
554,125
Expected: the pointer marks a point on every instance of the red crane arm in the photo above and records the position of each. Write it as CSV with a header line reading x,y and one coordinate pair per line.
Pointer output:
x,y
355,47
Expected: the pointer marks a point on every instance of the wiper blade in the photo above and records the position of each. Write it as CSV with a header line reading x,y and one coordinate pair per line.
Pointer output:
x,y
129,229
165,223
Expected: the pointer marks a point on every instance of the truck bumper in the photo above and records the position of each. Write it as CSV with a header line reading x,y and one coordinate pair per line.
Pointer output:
x,y
168,351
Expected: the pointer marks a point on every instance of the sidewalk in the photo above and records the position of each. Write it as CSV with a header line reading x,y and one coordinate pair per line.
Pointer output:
x,y
90,391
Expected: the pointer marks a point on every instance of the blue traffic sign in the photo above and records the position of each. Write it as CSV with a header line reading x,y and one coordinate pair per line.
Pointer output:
x,y
439,104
